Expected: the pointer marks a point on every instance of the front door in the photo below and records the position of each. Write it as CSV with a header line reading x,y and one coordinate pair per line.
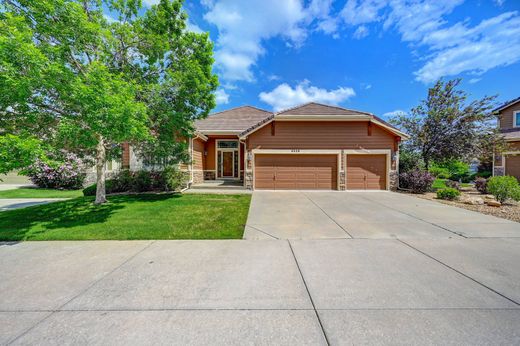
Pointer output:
x,y
227,163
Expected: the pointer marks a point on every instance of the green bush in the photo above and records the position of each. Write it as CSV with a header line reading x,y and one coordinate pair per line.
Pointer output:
x,y
448,193
439,172
504,188
409,161
174,179
142,181
91,190
453,169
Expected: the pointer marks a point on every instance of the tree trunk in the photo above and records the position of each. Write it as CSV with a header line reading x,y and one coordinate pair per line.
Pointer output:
x,y
100,172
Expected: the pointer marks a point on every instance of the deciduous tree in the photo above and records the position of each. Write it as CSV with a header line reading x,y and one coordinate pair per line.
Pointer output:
x,y
85,82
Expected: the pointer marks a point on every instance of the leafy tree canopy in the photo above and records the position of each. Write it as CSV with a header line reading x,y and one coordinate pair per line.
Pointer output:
x,y
80,81
446,126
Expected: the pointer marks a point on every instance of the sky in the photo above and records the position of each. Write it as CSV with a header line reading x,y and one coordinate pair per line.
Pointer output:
x,y
378,56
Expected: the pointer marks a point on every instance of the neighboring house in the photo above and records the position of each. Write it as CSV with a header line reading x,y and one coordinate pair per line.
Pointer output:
x,y
508,162
313,146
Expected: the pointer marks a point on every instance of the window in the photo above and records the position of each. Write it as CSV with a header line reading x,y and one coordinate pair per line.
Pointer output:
x,y
516,118
227,144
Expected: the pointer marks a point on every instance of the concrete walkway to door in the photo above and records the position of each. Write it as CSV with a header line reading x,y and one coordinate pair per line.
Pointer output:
x,y
374,215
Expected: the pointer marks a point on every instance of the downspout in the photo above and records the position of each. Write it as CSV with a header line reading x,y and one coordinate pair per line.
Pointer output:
x,y
191,162
242,141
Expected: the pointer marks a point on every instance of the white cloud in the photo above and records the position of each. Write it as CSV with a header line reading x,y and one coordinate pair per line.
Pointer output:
x,y
273,77
361,32
221,97
366,86
451,50
190,26
499,2
285,96
397,112
243,26
494,42
150,3
474,80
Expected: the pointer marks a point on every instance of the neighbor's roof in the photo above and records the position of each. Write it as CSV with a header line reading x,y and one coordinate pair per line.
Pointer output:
x,y
506,104
511,134
232,120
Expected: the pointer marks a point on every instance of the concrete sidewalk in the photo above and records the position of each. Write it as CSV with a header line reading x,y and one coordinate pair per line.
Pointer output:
x,y
17,203
346,291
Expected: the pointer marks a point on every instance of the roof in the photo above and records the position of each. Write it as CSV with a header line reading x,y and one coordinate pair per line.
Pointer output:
x,y
232,120
313,108
506,104
511,134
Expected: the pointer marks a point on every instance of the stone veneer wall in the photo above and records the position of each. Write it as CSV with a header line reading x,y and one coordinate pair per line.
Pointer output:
x,y
394,180
198,176
498,171
209,175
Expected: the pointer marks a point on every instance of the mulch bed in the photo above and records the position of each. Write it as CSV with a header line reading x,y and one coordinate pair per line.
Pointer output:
x,y
509,211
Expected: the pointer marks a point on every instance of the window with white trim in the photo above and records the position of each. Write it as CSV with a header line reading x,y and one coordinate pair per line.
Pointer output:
x,y
516,119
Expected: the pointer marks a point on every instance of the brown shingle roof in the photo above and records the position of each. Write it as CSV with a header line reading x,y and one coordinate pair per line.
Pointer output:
x,y
234,120
313,108
506,104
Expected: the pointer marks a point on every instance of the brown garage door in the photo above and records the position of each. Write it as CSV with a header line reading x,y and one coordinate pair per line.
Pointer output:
x,y
296,172
513,166
366,172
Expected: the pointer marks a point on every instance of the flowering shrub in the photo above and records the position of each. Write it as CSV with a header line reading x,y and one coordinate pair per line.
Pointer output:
x,y
417,181
66,174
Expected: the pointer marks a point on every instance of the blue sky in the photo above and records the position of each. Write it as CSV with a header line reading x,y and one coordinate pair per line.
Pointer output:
x,y
377,55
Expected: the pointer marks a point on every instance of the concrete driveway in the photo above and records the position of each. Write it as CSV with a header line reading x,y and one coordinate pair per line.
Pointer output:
x,y
277,292
372,215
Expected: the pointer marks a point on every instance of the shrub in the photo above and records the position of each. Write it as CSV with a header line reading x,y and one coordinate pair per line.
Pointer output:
x,y
448,193
452,184
484,174
481,185
123,181
91,189
417,181
439,172
409,160
504,188
67,173
142,181
174,179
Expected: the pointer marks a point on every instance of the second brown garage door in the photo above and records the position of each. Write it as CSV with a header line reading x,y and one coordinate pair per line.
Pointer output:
x,y
295,172
366,172
513,165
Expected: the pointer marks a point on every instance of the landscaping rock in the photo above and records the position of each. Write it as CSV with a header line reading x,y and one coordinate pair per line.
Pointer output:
x,y
493,203
473,200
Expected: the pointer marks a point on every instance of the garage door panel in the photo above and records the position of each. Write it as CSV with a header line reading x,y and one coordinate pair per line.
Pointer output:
x,y
298,171
366,172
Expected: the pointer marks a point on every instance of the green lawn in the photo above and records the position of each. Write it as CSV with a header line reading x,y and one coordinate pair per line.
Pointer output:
x,y
28,192
145,216
441,184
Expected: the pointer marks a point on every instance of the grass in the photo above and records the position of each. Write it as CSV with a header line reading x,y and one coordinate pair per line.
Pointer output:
x,y
441,184
145,216
28,192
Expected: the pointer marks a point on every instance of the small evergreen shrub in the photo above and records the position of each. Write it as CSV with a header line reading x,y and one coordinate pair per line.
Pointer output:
x,y
504,188
439,172
174,178
64,173
453,184
481,185
417,181
448,193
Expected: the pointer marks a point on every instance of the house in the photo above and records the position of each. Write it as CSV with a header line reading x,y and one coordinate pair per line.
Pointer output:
x,y
508,162
312,146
